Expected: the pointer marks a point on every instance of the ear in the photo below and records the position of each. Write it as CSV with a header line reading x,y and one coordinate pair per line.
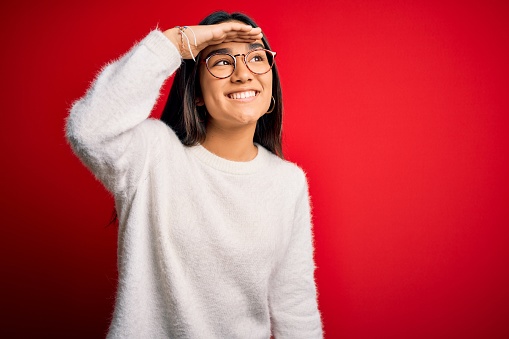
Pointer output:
x,y
199,101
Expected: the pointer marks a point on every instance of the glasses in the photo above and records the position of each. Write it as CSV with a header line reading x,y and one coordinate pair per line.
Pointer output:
x,y
258,61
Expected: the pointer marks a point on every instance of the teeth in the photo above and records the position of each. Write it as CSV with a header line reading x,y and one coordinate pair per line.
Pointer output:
x,y
242,95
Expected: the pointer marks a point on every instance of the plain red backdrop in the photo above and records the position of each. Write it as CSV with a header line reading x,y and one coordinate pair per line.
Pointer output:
x,y
397,110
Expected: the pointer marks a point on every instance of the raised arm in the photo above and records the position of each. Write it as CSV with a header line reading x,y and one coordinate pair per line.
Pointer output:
x,y
108,127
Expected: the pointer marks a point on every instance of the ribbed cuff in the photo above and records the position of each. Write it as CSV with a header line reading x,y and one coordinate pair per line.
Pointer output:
x,y
160,45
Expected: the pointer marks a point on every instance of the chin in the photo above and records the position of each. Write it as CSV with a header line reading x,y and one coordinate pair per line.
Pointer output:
x,y
249,118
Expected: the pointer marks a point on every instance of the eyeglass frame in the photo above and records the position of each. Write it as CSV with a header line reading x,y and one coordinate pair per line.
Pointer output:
x,y
234,57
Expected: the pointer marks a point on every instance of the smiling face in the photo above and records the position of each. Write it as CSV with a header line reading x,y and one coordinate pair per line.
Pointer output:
x,y
242,98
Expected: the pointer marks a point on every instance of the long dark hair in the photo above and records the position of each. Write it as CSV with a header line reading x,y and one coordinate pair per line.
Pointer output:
x,y
189,120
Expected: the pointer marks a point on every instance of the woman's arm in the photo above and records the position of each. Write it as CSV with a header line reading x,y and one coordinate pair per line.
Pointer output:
x,y
292,295
105,128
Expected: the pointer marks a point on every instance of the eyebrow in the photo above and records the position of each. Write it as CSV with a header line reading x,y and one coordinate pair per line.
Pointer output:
x,y
229,51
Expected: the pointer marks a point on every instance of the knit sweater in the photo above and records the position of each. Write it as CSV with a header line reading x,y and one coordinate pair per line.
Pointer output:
x,y
207,247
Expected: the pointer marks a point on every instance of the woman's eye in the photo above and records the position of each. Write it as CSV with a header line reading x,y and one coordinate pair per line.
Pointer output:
x,y
257,58
222,62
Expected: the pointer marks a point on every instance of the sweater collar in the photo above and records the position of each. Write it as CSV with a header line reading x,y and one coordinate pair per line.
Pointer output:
x,y
229,166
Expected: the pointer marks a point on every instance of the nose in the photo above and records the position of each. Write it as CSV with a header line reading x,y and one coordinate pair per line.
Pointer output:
x,y
241,73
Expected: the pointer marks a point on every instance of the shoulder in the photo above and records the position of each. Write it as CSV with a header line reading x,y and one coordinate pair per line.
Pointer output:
x,y
287,172
159,136
155,128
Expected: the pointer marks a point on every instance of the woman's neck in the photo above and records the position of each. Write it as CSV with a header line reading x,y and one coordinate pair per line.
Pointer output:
x,y
232,144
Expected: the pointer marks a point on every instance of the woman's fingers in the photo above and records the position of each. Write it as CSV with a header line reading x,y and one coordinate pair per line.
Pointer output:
x,y
235,31
239,27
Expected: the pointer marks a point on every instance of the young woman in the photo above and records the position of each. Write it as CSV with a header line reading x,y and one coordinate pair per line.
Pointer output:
x,y
214,226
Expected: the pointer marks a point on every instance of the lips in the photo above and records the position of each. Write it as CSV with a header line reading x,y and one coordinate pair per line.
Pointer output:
x,y
242,95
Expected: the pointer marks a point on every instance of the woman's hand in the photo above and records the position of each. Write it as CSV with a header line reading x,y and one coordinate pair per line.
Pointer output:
x,y
207,35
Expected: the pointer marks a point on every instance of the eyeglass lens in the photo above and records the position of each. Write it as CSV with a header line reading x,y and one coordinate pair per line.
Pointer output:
x,y
258,61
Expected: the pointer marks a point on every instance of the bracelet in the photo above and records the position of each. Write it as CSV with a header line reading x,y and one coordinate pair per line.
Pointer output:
x,y
182,35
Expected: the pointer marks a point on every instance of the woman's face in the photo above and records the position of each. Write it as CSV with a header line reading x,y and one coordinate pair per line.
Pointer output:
x,y
240,99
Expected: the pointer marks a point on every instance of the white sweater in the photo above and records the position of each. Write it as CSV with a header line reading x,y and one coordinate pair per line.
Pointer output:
x,y
207,247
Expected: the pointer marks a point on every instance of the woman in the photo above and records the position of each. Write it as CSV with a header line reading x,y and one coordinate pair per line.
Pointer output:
x,y
214,226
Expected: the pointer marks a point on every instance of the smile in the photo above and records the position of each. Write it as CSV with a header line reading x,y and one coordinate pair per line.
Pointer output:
x,y
243,95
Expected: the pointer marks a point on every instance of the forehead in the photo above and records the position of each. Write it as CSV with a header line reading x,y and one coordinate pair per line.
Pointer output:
x,y
233,47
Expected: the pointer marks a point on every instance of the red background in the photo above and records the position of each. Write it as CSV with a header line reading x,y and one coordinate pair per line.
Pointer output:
x,y
397,110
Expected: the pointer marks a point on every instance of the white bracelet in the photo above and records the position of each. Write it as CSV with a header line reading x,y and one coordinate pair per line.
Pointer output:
x,y
183,34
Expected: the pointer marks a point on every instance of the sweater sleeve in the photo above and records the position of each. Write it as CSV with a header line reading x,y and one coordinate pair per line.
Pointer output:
x,y
293,295
108,127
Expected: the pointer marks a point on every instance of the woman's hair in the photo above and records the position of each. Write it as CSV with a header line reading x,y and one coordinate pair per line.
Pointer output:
x,y
189,120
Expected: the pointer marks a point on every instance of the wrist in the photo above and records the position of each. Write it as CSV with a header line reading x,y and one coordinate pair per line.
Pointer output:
x,y
173,35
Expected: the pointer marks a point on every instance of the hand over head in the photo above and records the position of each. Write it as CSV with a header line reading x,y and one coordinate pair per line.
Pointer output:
x,y
208,35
